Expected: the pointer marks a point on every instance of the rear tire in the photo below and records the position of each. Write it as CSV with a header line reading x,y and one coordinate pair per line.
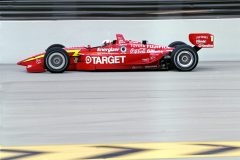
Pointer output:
x,y
56,60
184,58
176,43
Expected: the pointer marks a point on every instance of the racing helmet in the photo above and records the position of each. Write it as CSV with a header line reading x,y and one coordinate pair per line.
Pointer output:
x,y
106,42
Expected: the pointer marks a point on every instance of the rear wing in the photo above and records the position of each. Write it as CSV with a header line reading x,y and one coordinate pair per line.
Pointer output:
x,y
202,40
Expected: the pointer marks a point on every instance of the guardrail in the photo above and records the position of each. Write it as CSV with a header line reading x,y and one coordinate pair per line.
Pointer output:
x,y
117,9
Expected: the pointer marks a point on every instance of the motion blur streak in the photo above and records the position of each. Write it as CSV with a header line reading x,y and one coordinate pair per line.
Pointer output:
x,y
117,9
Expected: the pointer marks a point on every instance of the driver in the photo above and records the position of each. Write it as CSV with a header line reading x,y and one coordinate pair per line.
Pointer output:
x,y
106,42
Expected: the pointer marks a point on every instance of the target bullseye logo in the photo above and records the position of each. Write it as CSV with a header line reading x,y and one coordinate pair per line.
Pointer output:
x,y
105,59
88,59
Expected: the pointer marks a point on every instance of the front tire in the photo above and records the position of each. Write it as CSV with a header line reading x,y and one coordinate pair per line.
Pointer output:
x,y
56,60
184,58
55,46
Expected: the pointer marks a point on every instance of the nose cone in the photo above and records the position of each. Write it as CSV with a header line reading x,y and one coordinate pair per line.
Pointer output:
x,y
21,63
30,60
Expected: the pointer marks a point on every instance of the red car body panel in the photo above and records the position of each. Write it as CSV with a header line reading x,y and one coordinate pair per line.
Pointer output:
x,y
120,55
202,40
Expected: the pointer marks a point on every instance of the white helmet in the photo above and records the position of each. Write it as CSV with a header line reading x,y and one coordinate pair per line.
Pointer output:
x,y
106,42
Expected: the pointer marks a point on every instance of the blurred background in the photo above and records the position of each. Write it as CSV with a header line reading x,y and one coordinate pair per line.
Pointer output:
x,y
28,27
117,9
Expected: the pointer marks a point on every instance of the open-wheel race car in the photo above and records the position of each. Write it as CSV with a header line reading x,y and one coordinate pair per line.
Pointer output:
x,y
121,54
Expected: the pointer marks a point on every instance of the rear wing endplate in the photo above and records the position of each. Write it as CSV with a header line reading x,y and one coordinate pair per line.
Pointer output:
x,y
202,40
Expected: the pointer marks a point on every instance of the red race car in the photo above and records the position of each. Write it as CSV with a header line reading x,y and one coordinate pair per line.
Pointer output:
x,y
121,54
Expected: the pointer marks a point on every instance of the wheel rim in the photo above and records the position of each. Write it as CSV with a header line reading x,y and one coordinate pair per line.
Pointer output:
x,y
185,59
56,60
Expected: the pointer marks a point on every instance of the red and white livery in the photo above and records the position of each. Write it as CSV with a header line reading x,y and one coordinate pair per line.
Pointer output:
x,y
121,54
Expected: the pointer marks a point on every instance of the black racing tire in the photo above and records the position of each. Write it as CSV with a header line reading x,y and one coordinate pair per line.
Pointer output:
x,y
184,58
56,60
54,46
176,43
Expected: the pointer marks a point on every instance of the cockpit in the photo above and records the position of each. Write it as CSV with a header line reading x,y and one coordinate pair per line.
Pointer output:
x,y
108,42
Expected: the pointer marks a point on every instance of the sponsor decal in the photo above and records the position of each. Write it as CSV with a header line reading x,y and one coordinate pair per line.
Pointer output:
x,y
145,60
152,57
151,46
138,45
154,51
198,41
75,60
38,61
206,45
137,67
137,51
105,59
108,49
200,37
123,49
151,67
155,46
144,50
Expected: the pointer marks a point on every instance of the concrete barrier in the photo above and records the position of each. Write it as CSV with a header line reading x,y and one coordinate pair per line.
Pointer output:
x,y
21,39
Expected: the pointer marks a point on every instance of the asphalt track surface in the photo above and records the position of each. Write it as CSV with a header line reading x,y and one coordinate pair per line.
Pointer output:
x,y
121,107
